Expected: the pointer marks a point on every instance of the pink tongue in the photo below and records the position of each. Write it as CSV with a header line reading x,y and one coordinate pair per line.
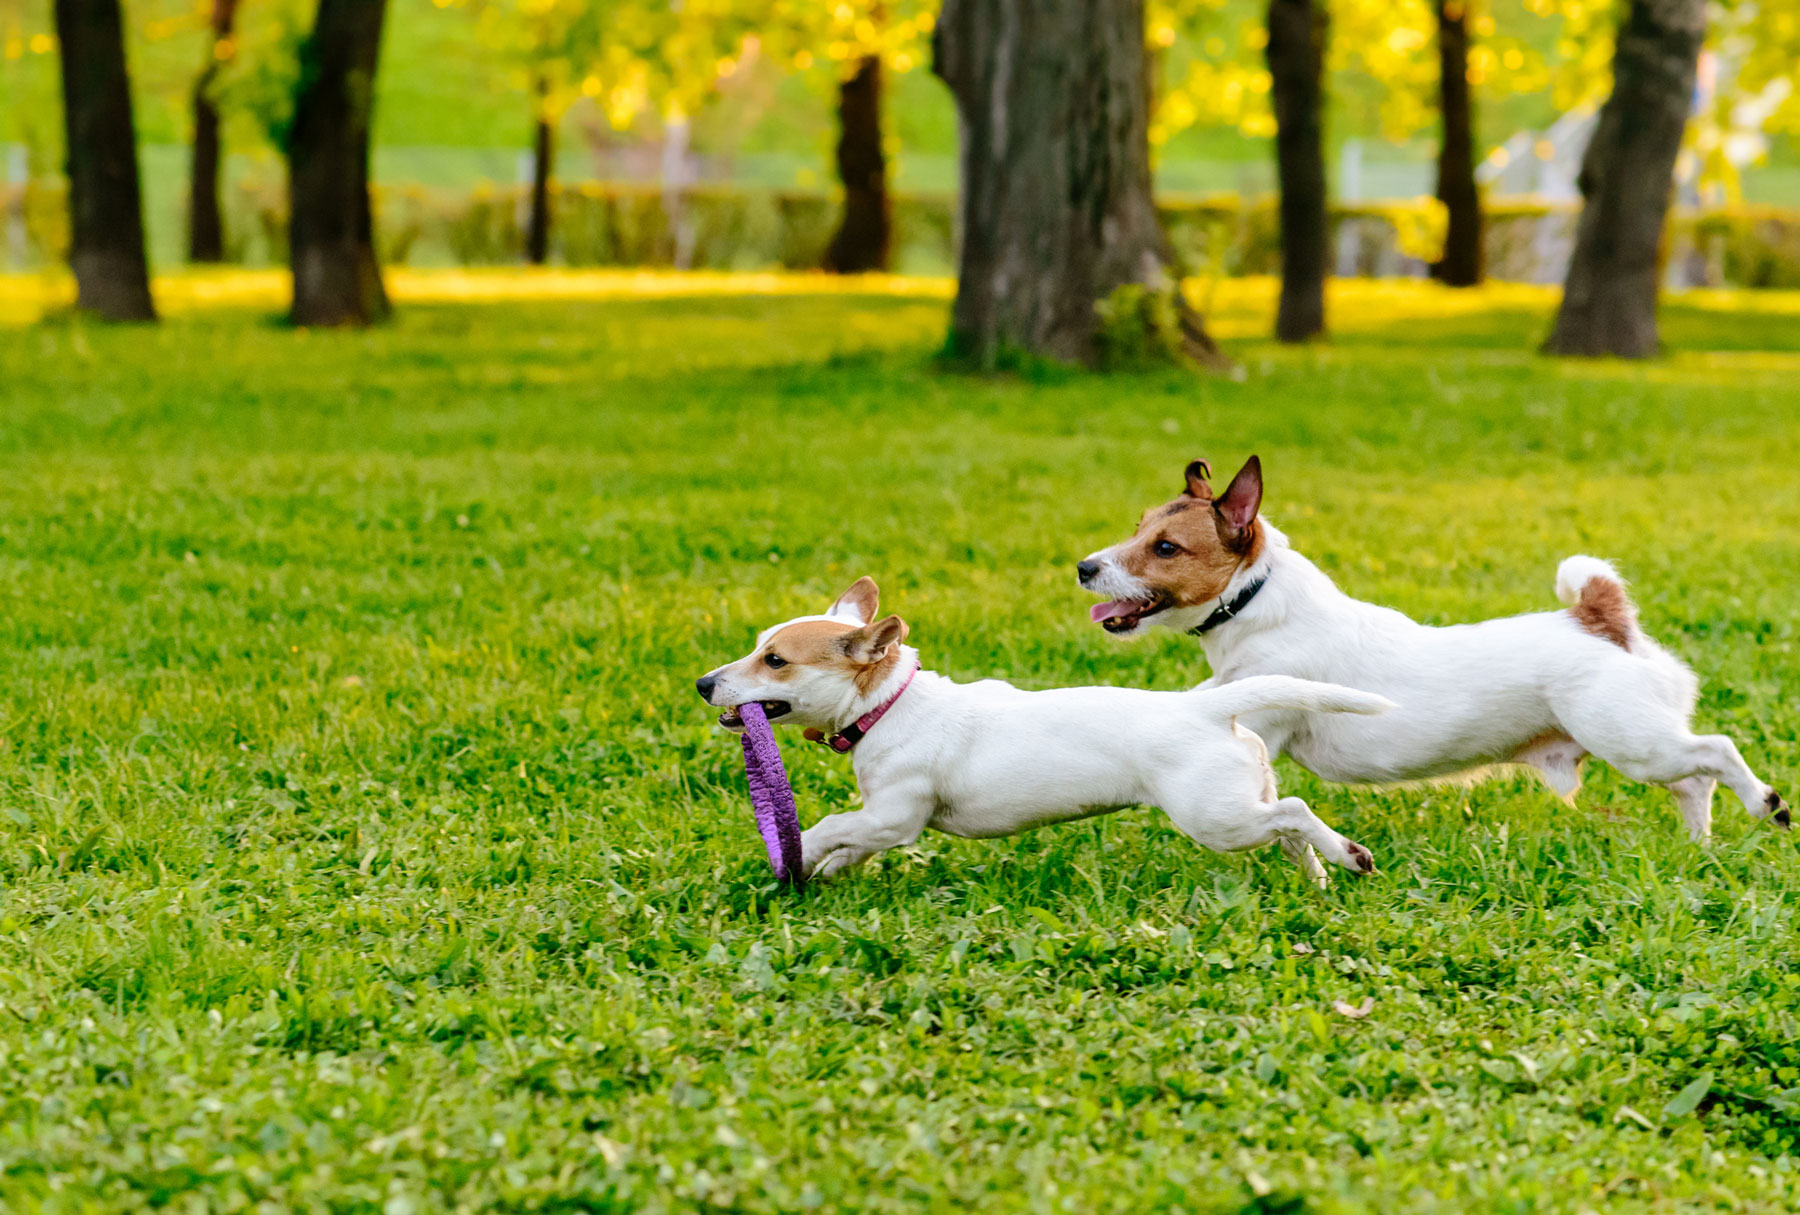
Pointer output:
x,y
1106,611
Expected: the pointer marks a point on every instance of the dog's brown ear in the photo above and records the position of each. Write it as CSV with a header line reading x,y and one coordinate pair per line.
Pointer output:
x,y
1197,474
1237,507
856,605
873,642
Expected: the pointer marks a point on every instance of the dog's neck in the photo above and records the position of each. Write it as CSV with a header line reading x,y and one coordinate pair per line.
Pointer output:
x,y
1291,586
857,703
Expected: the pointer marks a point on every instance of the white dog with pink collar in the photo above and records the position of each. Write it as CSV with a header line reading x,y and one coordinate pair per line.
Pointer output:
x,y
988,759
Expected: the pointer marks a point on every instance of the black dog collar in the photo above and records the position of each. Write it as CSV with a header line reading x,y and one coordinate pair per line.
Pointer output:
x,y
1225,611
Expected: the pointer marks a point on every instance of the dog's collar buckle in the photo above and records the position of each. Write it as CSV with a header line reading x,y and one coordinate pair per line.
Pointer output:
x,y
1227,611
850,735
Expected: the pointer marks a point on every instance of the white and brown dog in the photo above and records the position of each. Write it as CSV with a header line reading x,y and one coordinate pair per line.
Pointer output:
x,y
987,759
1543,690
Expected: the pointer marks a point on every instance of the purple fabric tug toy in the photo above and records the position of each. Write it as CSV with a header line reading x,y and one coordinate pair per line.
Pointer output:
x,y
771,795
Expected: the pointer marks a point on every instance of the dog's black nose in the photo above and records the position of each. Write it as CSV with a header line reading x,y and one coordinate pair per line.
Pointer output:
x,y
1086,570
706,683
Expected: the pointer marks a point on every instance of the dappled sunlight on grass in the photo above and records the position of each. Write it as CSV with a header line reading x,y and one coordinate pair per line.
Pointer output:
x,y
25,298
1240,308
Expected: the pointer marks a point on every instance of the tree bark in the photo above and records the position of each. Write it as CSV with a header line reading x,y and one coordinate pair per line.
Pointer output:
x,y
206,226
1462,264
106,213
1627,175
1056,212
537,229
864,236
331,230
1296,53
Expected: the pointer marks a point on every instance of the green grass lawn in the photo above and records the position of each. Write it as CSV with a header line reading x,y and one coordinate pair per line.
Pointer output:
x,y
364,847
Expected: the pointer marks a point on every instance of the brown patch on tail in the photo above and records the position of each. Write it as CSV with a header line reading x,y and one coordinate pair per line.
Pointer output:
x,y
1605,610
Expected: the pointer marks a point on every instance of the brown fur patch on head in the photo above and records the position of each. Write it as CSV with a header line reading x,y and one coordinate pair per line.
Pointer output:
x,y
1605,610
1206,553
1189,549
809,643
864,655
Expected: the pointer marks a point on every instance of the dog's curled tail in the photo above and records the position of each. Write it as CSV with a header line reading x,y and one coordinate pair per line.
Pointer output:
x,y
1263,692
1597,600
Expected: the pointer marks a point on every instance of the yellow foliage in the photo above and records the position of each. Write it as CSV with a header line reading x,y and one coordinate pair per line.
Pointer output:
x,y
1419,231
804,32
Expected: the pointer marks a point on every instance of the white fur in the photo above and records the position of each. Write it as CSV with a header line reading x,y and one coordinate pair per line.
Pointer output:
x,y
1535,690
987,759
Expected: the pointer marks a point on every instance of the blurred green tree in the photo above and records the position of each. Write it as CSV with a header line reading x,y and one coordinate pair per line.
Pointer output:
x,y
106,210
859,42
206,226
627,57
1296,56
1627,178
1057,222
548,45
331,229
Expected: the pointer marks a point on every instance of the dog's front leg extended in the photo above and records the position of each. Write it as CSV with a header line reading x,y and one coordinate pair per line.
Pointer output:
x,y
891,820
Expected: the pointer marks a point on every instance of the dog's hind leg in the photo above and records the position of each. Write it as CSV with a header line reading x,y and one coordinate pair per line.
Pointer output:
x,y
1288,822
1241,809
1632,716
1693,796
1292,818
1716,756
1253,823
1692,757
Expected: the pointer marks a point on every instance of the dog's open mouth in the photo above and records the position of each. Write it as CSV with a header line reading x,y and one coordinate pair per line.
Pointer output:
x,y
774,710
1123,615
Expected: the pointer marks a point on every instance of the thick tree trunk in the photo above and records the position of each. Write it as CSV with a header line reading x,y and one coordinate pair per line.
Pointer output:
x,y
1296,52
331,232
543,164
106,214
1627,175
1056,213
864,236
1462,263
206,227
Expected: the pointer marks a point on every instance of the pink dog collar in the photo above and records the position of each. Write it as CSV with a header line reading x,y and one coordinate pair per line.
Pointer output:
x,y
850,735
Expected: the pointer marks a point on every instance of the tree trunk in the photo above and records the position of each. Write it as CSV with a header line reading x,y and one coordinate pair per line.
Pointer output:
x,y
106,213
537,230
1462,263
865,234
1056,213
1296,53
206,227
1627,175
331,232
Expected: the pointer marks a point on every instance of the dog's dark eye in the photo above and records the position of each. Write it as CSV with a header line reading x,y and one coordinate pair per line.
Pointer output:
x,y
1165,548
774,660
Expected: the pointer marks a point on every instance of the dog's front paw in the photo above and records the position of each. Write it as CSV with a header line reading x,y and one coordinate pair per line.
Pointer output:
x,y
830,865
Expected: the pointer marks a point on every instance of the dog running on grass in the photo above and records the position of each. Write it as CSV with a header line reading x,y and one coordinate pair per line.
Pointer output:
x,y
987,759
1543,690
